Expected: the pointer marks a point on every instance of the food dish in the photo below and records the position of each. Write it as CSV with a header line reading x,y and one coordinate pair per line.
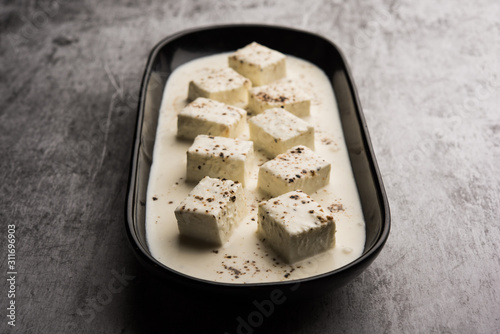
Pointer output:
x,y
183,47
246,258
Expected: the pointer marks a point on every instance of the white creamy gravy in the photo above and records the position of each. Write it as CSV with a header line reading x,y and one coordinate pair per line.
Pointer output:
x,y
245,258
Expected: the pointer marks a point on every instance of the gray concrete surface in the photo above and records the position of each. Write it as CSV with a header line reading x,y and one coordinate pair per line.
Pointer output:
x,y
429,80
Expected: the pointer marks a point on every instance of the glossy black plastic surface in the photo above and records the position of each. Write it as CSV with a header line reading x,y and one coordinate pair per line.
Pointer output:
x,y
180,48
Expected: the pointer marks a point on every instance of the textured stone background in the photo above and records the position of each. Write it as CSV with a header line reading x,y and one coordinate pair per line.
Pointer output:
x,y
428,77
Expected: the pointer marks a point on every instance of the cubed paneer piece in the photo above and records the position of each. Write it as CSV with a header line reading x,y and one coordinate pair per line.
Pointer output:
x,y
281,94
299,168
219,157
210,117
276,130
212,210
258,63
295,226
223,85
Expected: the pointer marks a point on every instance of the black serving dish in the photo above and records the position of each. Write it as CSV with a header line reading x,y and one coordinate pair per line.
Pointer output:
x,y
182,47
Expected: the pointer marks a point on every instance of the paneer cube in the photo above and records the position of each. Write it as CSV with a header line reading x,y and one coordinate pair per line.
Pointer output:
x,y
210,117
212,210
276,130
258,63
295,226
223,85
219,157
280,94
299,168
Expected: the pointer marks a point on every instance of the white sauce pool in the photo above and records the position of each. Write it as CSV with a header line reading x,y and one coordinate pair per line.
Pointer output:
x,y
245,258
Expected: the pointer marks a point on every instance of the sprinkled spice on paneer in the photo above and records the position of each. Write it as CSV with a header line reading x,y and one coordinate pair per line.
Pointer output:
x,y
212,210
295,226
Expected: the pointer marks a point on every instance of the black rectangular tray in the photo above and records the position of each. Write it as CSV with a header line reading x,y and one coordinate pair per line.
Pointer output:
x,y
185,46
